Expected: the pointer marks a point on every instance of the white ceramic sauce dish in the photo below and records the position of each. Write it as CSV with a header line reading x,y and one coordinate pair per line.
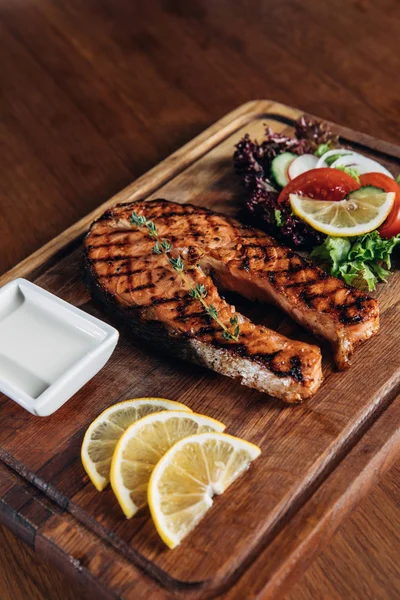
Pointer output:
x,y
49,349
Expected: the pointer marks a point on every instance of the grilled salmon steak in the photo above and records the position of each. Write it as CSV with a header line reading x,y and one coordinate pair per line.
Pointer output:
x,y
149,296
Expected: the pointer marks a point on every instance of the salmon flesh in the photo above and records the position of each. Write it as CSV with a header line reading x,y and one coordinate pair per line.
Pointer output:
x,y
149,296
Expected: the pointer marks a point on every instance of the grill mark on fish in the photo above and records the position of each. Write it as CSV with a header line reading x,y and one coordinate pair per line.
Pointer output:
x,y
108,259
159,301
358,303
109,245
195,315
245,264
138,288
119,273
296,371
267,359
164,216
193,229
284,272
208,330
247,256
248,237
297,284
263,246
346,320
308,297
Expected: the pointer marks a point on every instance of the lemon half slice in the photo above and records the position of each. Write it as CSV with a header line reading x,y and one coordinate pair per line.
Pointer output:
x,y
103,434
184,481
361,212
141,447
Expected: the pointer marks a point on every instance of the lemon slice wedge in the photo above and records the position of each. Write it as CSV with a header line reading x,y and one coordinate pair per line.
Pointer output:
x,y
141,447
361,212
103,434
184,481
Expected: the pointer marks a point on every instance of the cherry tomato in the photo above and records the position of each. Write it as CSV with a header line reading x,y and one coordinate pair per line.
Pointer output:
x,y
320,184
391,226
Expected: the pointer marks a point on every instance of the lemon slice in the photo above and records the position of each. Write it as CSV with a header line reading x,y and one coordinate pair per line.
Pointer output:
x,y
103,434
184,481
361,212
141,447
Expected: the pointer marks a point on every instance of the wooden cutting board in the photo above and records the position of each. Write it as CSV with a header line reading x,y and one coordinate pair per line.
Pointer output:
x,y
317,458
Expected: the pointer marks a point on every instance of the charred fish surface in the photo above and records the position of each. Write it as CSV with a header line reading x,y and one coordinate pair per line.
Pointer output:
x,y
144,291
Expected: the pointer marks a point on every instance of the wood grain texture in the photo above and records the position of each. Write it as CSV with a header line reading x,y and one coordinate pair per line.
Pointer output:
x,y
25,574
275,493
359,546
360,562
61,540
116,73
93,568
322,514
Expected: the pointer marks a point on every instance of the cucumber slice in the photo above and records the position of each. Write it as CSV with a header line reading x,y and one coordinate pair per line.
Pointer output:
x,y
279,167
366,190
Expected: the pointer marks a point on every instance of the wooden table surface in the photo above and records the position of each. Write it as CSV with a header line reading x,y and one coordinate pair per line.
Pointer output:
x,y
89,97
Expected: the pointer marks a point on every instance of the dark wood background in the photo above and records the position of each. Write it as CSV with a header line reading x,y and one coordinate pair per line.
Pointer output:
x,y
95,92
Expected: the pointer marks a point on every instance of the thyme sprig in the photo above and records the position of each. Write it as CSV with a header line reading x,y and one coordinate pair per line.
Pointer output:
x,y
199,292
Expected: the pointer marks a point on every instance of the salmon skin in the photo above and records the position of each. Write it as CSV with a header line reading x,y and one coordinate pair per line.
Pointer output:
x,y
144,291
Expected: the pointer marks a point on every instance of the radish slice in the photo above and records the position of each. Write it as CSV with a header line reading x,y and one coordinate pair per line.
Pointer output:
x,y
322,162
301,164
363,164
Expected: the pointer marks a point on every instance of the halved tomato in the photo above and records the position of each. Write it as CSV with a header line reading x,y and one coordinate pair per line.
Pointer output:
x,y
391,226
321,184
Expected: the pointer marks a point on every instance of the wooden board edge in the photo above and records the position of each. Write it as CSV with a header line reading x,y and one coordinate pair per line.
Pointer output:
x,y
273,572
171,166
358,138
244,112
77,552
67,545
146,184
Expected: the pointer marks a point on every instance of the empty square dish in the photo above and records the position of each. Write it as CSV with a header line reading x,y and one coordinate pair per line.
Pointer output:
x,y
48,348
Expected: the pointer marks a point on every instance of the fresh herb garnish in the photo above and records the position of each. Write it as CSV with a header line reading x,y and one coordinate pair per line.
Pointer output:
x,y
364,260
199,292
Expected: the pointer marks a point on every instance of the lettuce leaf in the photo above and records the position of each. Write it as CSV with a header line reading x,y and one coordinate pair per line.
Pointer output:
x,y
333,251
358,274
323,148
371,247
362,261
352,171
279,218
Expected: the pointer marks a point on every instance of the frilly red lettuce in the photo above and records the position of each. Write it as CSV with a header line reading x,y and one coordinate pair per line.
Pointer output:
x,y
252,162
